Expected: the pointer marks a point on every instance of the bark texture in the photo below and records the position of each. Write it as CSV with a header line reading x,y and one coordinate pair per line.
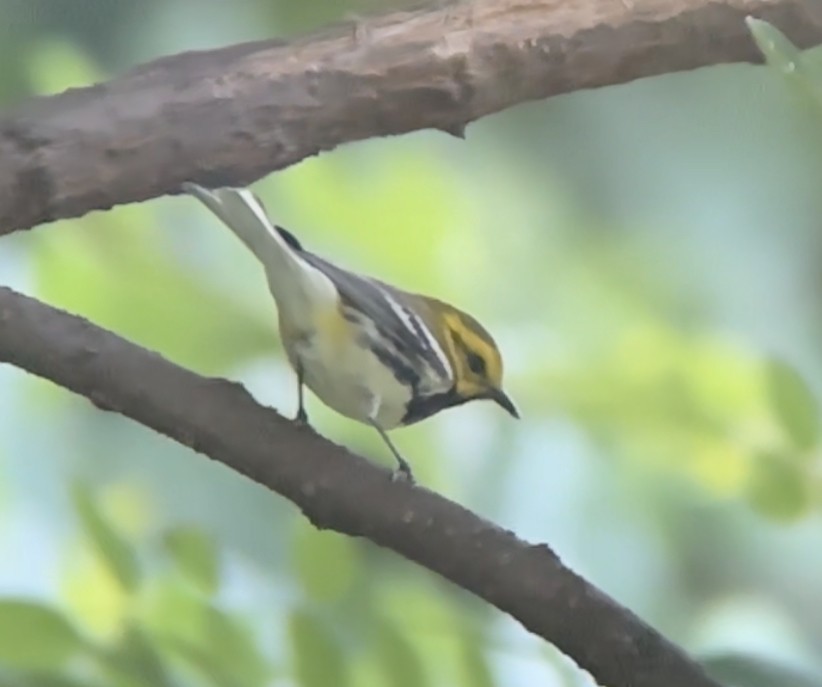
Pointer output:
x,y
231,116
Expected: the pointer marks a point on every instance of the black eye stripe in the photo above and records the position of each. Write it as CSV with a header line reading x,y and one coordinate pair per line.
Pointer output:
x,y
476,363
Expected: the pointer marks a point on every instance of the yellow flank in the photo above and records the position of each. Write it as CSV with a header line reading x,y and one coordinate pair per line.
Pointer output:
x,y
334,326
329,322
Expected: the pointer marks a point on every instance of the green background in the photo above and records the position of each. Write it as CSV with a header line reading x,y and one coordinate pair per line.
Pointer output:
x,y
647,256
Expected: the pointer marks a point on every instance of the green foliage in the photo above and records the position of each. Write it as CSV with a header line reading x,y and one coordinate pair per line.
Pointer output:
x,y
172,610
794,405
233,644
743,670
170,626
35,637
123,277
778,487
318,657
732,422
325,564
109,545
398,657
134,660
194,554
41,680
477,672
224,652
55,64
370,220
166,625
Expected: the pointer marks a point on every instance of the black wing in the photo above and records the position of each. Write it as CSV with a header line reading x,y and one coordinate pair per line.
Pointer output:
x,y
386,307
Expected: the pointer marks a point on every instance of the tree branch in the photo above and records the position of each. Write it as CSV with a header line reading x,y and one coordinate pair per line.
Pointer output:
x,y
230,116
343,492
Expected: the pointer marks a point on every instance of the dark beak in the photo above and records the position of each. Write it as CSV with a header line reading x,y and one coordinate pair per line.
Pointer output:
x,y
501,398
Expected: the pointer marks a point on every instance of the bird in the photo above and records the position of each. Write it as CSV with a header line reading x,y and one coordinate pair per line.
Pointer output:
x,y
371,351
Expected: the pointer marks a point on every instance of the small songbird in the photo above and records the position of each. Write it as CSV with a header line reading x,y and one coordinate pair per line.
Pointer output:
x,y
370,351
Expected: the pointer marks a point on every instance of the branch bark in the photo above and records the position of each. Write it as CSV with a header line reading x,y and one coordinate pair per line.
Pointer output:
x,y
340,491
230,116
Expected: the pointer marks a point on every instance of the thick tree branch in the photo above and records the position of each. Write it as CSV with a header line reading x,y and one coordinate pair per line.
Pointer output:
x,y
230,116
343,492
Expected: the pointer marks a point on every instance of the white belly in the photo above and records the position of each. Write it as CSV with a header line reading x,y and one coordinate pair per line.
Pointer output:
x,y
351,380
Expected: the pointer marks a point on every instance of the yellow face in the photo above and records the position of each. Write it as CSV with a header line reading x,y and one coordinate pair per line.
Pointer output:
x,y
476,359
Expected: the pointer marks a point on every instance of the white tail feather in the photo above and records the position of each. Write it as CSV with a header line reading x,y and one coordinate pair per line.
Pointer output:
x,y
297,286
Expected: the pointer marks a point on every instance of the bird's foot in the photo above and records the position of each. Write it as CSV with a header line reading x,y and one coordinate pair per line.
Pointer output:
x,y
403,473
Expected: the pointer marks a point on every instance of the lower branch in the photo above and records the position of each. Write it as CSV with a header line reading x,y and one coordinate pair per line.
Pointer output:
x,y
344,492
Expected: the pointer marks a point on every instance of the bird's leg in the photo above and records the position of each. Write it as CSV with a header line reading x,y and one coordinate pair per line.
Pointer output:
x,y
403,471
302,416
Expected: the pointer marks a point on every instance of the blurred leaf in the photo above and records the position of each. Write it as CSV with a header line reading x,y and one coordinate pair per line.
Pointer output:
x,y
171,610
326,562
794,404
41,679
112,548
778,487
220,647
55,64
401,664
375,214
92,593
33,636
225,653
476,669
129,507
318,661
743,670
135,660
680,403
233,645
195,555
299,17
433,625
716,464
202,663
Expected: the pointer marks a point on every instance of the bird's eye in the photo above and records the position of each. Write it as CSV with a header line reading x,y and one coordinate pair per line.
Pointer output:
x,y
476,363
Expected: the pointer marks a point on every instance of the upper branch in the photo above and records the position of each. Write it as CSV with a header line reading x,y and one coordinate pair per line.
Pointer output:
x,y
343,492
230,116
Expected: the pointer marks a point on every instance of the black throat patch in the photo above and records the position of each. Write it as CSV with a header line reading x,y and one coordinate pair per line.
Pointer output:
x,y
421,407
